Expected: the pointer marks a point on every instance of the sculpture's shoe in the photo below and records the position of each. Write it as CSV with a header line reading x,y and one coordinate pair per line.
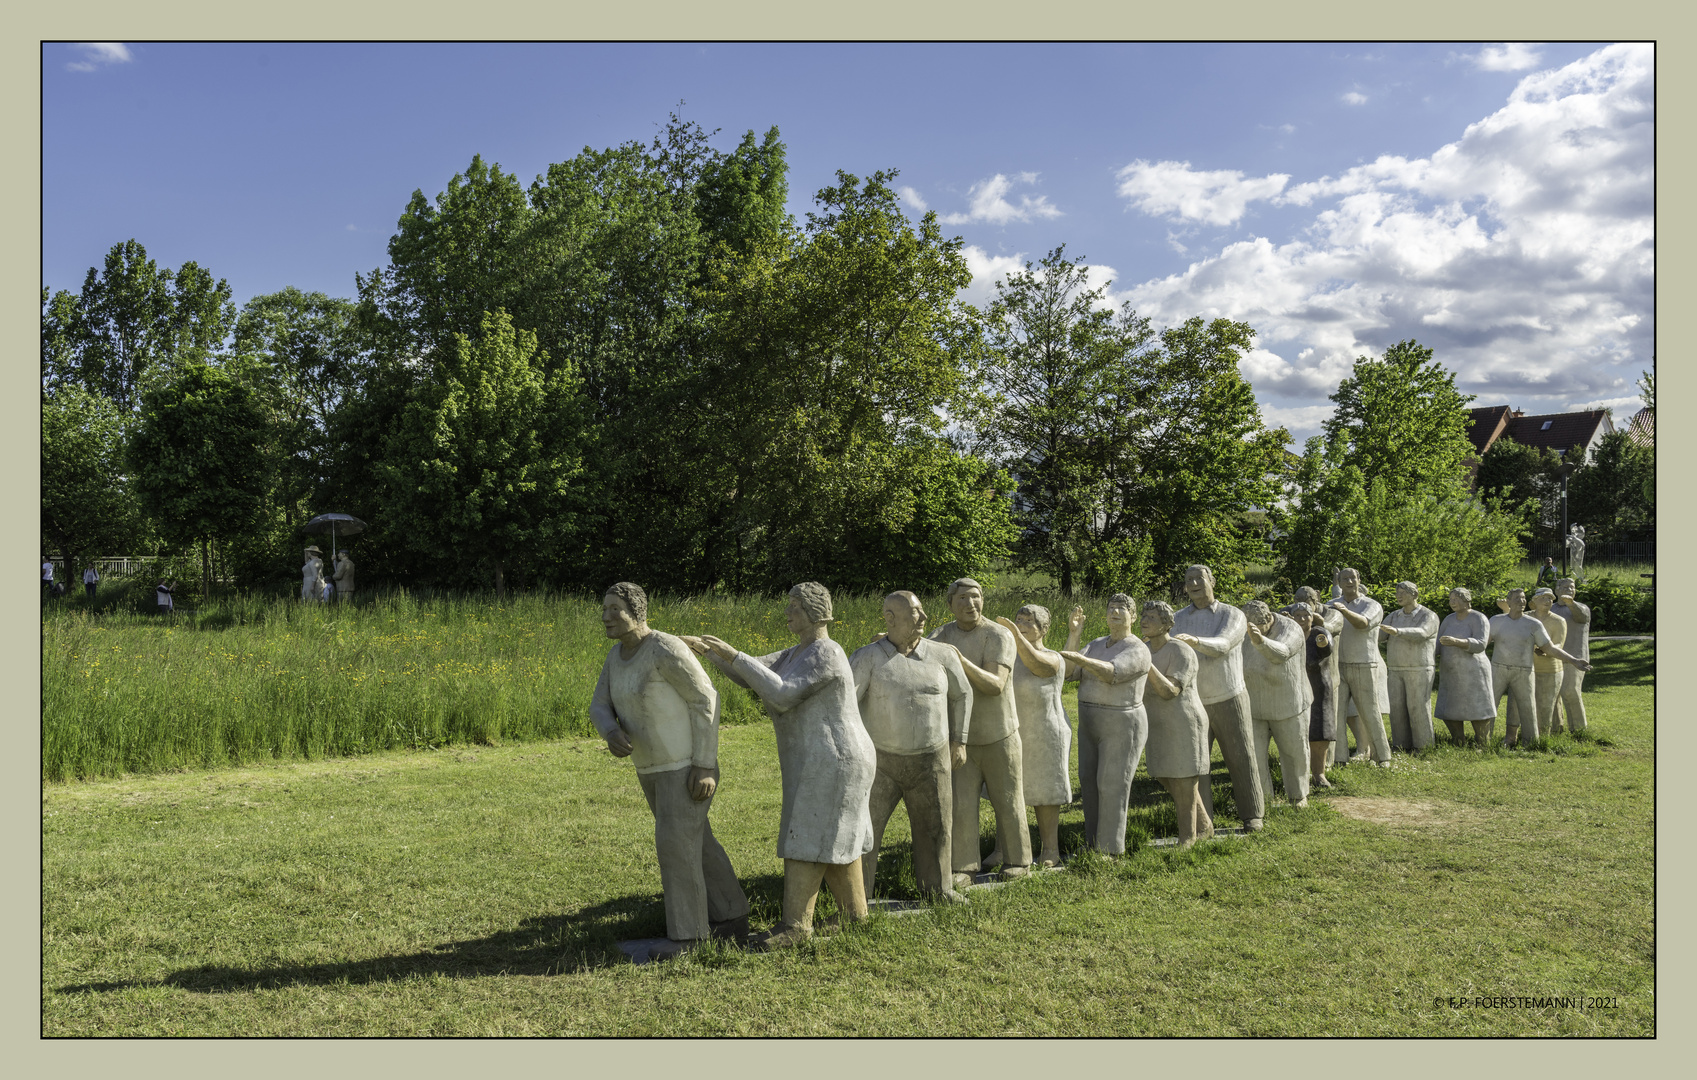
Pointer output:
x,y
1319,781
1011,872
669,949
1383,764
995,858
1049,859
1303,803
735,929
785,937
962,880
949,896
1253,825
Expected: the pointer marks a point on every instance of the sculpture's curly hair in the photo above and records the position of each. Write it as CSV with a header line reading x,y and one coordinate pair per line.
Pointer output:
x,y
1161,608
1256,611
1039,615
634,599
815,600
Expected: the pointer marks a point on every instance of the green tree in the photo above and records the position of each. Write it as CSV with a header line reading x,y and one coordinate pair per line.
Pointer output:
x,y
1401,419
1063,376
198,457
479,465
1607,494
87,506
1517,474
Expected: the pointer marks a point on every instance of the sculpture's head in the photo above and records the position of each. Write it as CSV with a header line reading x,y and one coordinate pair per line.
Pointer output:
x,y
966,600
1033,621
1119,614
1308,594
1515,602
1349,580
1301,613
624,608
1461,600
1541,601
904,618
1259,615
1408,595
1156,619
1199,585
1564,588
810,606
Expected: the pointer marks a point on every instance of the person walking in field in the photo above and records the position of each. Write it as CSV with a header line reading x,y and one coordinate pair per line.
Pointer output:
x,y
163,597
90,579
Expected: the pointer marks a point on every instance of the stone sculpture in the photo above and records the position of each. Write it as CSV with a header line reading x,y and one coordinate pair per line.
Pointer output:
x,y
994,755
655,705
1113,724
1214,631
1349,715
1578,618
1359,664
825,757
1178,722
1410,654
345,581
1333,623
1276,678
1513,637
1045,736
1546,669
1465,690
1319,662
1576,550
915,702
312,574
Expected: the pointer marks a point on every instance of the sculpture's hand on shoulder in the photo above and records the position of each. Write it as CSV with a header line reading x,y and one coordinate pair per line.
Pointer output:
x,y
718,647
618,743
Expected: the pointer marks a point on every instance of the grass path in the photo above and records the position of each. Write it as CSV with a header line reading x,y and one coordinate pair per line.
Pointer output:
x,y
480,892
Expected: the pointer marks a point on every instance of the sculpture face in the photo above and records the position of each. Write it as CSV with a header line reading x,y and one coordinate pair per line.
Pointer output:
x,y
1515,601
1028,627
1152,624
1408,600
797,617
1459,603
1350,584
904,620
1119,619
616,618
968,606
1199,586
1564,587
1541,604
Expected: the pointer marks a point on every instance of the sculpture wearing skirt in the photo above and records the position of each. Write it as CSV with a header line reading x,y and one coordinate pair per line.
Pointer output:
x,y
1045,737
1112,724
1178,724
1465,693
824,754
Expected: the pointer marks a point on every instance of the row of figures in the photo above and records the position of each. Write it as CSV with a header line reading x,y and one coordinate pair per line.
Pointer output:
x,y
932,721
319,588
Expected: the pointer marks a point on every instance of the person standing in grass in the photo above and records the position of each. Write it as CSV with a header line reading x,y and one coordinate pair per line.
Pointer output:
x,y
1113,722
1045,737
1178,723
1465,692
1547,574
1578,618
1411,632
1333,622
163,597
824,755
90,581
655,705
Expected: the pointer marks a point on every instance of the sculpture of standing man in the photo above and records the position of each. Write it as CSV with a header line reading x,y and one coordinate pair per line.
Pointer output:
x,y
1358,663
1215,631
1113,723
655,705
914,700
345,580
993,753
826,760
1513,637
1275,674
1578,643
1410,654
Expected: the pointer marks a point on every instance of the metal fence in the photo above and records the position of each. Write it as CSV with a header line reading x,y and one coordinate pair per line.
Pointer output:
x,y
1629,549
126,565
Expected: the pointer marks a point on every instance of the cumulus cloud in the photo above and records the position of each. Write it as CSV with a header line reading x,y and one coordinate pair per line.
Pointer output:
x,y
1513,56
987,269
96,53
912,198
1355,98
987,203
1174,189
1522,253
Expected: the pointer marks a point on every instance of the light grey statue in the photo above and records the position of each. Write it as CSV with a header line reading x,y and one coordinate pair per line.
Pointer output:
x,y
1514,635
1578,618
994,755
1112,722
1214,630
1410,656
654,705
1546,669
1045,737
1359,665
345,580
915,702
1178,723
1576,550
825,757
1465,691
1276,676
312,574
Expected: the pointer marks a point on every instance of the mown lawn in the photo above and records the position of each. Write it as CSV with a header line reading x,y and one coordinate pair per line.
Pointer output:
x,y
480,891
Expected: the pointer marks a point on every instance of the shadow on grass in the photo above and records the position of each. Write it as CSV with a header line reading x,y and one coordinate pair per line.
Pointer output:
x,y
1621,663
583,941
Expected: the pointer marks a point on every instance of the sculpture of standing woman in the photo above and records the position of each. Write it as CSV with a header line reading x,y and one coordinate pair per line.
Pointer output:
x,y
312,574
1112,723
1045,737
1465,692
1178,723
1576,550
824,754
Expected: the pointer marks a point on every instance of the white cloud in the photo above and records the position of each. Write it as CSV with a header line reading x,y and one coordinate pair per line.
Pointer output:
x,y
1354,98
1514,56
1522,253
988,203
1174,189
96,53
987,269
912,198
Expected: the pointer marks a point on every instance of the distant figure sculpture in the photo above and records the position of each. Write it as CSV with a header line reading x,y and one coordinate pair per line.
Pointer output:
x,y
312,574
1412,631
1576,550
1214,630
1318,660
345,581
1113,722
826,759
1578,617
1333,623
915,701
1546,669
1513,637
1359,665
1045,737
655,705
1276,678
1178,723
995,758
164,597
1465,690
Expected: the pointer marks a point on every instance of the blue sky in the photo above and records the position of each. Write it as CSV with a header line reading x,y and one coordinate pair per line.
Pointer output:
x,y
1494,202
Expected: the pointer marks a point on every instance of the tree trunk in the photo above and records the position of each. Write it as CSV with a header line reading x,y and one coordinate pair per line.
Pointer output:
x,y
1066,578
205,569
500,581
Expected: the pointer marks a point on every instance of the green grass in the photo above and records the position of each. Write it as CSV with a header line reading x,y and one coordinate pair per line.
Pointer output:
x,y
480,891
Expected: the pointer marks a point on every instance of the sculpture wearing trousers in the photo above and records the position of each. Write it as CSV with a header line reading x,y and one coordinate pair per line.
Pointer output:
x,y
1309,596
344,577
1411,634
825,757
914,700
1578,618
1359,666
1514,635
1215,631
1465,690
1178,723
1546,669
1274,673
1322,700
654,705
994,756
1045,737
1112,722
